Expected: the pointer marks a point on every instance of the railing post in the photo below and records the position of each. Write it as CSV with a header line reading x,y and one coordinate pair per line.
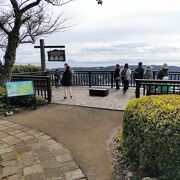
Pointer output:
x,y
137,89
112,79
154,74
49,90
89,73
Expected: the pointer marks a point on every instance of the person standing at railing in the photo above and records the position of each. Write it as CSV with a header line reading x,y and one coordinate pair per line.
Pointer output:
x,y
66,81
148,74
125,77
163,72
66,64
117,75
57,77
139,72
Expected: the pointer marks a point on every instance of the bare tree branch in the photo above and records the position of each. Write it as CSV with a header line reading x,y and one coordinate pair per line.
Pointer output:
x,y
3,28
30,5
58,2
15,5
22,3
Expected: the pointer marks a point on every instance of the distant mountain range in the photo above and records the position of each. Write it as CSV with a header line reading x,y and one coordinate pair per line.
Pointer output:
x,y
107,65
94,66
111,68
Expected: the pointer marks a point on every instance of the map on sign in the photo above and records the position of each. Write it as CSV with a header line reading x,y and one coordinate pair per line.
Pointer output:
x,y
19,88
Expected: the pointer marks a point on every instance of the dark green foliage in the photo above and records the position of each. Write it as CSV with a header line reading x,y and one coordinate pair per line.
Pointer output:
x,y
22,101
151,136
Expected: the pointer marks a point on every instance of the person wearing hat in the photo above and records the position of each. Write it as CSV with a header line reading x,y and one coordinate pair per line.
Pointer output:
x,y
163,72
148,74
117,75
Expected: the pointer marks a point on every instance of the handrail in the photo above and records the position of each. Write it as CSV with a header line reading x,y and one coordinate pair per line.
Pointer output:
x,y
152,85
103,78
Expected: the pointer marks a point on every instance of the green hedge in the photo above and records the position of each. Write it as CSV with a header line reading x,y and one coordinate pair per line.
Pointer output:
x,y
27,68
151,136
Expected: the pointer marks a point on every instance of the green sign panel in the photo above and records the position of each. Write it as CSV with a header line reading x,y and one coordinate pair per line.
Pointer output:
x,y
19,88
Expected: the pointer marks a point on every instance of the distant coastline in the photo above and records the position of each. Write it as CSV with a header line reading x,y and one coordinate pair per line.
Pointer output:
x,y
94,66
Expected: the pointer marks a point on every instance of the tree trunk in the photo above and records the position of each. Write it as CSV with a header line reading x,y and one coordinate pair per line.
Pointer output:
x,y
4,77
9,59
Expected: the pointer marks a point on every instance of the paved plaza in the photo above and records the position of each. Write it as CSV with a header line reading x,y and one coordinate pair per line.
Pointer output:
x,y
116,100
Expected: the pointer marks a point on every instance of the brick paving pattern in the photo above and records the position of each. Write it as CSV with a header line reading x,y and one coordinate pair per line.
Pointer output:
x,y
29,154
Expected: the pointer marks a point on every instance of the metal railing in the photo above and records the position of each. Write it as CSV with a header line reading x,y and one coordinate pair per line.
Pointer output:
x,y
42,84
154,87
103,78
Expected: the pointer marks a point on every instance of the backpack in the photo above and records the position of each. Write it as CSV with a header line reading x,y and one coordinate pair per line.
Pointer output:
x,y
123,74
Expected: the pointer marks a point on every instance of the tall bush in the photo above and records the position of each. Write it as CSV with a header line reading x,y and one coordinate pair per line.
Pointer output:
x,y
151,136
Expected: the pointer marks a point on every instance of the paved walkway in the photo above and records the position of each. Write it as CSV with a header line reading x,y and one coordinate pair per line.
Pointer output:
x,y
29,154
116,100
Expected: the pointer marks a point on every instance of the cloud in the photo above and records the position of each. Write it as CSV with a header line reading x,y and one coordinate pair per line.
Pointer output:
x,y
117,31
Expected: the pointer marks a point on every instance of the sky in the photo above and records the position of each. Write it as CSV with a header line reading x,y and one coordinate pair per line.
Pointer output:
x,y
118,31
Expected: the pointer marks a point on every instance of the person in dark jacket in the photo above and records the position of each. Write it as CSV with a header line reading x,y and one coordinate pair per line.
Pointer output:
x,y
139,72
163,72
57,77
117,75
67,81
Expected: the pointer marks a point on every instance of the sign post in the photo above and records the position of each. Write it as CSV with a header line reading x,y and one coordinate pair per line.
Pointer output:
x,y
60,54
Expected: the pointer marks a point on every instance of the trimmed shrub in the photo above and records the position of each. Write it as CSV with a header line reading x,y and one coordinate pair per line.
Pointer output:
x,y
151,136
40,100
27,68
2,92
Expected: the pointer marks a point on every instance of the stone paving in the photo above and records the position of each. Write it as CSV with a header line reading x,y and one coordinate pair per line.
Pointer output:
x,y
116,100
29,154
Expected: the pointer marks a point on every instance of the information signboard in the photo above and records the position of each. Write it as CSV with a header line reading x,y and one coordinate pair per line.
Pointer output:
x,y
19,88
56,55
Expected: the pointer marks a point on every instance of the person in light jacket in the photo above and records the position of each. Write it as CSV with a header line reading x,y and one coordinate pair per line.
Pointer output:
x,y
126,77
148,74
